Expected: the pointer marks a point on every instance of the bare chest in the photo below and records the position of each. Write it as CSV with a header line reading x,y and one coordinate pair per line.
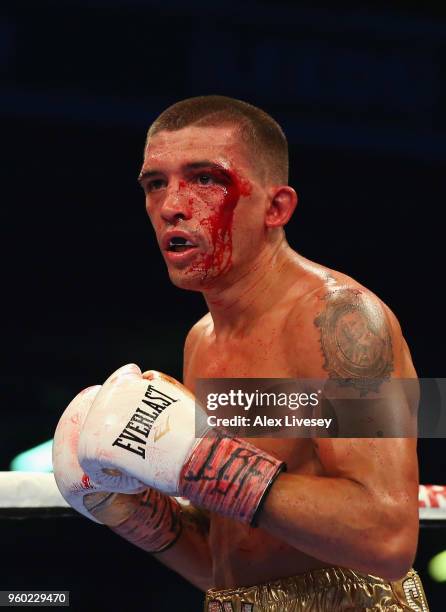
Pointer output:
x,y
241,554
261,355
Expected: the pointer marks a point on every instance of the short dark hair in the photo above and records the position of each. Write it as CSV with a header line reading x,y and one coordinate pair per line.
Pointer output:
x,y
260,131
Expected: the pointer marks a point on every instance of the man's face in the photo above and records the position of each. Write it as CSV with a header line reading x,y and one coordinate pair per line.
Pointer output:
x,y
206,203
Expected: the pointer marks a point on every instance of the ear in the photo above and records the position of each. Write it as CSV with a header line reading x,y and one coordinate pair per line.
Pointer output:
x,y
283,201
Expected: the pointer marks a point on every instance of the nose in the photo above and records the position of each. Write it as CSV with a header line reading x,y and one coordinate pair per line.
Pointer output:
x,y
176,204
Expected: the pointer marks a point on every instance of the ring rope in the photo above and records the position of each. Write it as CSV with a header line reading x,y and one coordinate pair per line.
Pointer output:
x,y
35,494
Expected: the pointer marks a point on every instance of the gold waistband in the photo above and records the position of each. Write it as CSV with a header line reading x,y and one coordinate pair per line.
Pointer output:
x,y
332,589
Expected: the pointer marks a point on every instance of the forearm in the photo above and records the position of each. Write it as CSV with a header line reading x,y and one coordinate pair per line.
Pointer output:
x,y
339,522
176,534
190,555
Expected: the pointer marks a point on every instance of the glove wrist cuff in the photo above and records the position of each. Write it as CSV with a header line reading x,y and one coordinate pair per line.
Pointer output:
x,y
229,476
155,523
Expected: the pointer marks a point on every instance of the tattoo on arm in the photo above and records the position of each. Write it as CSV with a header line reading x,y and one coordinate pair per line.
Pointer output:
x,y
355,340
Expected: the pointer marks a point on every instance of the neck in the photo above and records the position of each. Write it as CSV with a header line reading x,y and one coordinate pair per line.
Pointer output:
x,y
250,294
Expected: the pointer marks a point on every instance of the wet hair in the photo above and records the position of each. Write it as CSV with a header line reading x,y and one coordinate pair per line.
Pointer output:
x,y
259,131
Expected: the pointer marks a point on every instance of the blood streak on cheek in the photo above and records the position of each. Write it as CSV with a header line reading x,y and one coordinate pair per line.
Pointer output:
x,y
219,224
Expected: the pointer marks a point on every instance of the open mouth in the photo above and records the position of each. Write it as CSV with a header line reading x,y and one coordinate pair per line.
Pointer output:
x,y
179,245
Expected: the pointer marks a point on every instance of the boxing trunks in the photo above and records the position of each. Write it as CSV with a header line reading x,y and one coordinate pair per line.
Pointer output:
x,y
330,589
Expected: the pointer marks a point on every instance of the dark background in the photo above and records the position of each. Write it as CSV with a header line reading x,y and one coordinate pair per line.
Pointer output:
x,y
360,92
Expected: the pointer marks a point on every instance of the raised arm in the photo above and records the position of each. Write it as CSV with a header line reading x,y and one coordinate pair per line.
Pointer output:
x,y
363,512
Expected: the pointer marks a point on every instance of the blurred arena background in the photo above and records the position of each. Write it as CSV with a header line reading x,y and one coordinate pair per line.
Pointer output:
x,y
360,93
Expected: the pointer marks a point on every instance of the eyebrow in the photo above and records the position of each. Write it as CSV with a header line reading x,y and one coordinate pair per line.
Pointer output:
x,y
192,166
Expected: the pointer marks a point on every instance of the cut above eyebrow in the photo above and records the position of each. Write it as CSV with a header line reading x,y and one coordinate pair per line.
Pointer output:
x,y
192,166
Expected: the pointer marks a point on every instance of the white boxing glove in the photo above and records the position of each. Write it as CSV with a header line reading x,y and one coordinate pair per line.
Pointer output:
x,y
141,429
150,520
75,486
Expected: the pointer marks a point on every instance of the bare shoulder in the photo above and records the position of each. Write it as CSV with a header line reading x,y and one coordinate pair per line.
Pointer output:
x,y
349,332
196,331
355,334
192,342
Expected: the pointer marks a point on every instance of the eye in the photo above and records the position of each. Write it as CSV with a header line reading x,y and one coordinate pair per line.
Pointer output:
x,y
155,185
205,179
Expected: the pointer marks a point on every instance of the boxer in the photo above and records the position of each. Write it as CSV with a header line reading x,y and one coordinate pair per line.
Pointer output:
x,y
325,524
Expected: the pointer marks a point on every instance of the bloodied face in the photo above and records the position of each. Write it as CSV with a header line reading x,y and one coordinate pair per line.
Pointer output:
x,y
206,201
